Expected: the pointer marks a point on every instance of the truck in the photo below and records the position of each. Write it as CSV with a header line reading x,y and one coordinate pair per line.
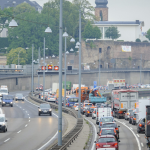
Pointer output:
x,y
122,100
57,93
3,90
102,112
141,108
55,86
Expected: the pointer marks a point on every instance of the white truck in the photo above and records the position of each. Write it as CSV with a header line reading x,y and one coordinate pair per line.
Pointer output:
x,y
141,108
3,123
55,86
122,100
101,112
3,90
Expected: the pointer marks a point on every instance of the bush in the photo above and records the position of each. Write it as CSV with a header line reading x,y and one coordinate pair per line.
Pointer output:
x,y
145,41
138,40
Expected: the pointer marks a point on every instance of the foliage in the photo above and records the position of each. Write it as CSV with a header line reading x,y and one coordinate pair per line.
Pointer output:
x,y
91,32
145,41
130,58
112,32
3,43
148,34
138,40
12,57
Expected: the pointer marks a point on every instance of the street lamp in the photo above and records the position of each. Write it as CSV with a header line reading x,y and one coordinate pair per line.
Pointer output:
x,y
13,23
53,56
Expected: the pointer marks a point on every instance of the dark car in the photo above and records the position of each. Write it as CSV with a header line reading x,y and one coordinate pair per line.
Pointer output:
x,y
133,119
19,96
108,131
45,109
88,112
111,125
141,125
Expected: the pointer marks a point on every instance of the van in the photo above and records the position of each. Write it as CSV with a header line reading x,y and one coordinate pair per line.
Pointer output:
x,y
3,123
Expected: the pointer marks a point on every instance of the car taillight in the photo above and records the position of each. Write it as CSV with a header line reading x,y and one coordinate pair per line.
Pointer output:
x,y
140,125
97,114
88,112
98,145
116,144
134,118
128,113
116,128
100,123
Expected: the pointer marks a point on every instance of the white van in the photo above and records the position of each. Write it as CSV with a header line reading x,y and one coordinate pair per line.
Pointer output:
x,y
3,123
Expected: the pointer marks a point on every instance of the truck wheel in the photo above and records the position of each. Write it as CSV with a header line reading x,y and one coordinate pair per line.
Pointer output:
x,y
4,130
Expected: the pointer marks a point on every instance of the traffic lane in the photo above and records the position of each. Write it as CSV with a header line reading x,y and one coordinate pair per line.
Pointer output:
x,y
141,136
35,134
127,139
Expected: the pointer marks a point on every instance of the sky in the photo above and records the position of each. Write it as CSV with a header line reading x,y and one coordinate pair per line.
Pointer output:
x,y
124,10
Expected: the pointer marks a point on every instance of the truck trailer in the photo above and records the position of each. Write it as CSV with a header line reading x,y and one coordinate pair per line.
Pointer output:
x,y
122,100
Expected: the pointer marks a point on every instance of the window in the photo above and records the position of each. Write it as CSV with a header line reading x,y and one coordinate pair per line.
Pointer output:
x,y
105,29
101,29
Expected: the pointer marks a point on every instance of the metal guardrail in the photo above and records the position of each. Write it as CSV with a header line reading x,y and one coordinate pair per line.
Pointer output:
x,y
70,136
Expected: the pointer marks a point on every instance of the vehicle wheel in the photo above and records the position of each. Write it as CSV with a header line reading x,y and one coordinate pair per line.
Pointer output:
x,y
39,114
2,105
118,136
11,105
4,130
92,118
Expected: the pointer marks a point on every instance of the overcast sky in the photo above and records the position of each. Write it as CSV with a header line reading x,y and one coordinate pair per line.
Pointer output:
x,y
124,10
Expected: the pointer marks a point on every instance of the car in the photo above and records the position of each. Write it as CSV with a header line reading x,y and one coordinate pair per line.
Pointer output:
x,y
88,112
50,98
133,119
107,142
110,125
141,125
94,113
131,116
127,114
86,106
19,96
40,88
105,120
45,109
7,100
3,123
108,131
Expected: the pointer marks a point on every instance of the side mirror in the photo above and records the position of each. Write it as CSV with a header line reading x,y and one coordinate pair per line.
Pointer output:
x,y
118,126
94,141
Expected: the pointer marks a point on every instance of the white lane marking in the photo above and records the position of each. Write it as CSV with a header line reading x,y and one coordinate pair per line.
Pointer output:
x,y
137,135
130,128
53,136
28,114
48,141
7,140
139,146
93,146
142,144
23,109
29,117
26,125
19,131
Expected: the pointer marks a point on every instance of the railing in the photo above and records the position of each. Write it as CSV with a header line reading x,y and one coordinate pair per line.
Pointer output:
x,y
70,136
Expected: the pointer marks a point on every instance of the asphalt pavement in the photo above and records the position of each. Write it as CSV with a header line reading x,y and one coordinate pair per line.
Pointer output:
x,y
27,130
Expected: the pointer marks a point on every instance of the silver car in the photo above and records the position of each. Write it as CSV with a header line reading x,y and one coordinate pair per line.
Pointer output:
x,y
127,114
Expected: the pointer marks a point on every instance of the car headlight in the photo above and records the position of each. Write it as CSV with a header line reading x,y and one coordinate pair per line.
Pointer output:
x,y
3,124
10,102
4,102
39,109
50,109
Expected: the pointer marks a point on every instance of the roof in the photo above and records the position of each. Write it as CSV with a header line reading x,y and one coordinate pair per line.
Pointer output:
x,y
137,22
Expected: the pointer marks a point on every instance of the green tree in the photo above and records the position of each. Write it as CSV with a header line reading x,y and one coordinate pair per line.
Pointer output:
x,y
148,34
137,40
12,56
112,33
91,32
145,41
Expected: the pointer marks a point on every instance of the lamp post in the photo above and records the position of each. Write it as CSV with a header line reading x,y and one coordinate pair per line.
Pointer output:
x,y
32,70
140,68
71,50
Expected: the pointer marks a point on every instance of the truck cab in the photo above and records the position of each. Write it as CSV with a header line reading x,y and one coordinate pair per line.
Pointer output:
x,y
7,100
3,123
3,90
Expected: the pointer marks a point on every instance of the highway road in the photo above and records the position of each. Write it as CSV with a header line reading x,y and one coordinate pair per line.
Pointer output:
x,y
27,130
129,138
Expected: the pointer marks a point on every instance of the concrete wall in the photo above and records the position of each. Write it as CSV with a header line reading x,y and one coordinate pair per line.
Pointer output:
x,y
24,83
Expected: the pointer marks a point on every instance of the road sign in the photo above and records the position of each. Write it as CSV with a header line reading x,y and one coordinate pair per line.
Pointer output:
x,y
95,84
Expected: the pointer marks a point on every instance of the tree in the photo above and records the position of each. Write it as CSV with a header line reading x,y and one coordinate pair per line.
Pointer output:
x,y
145,41
137,40
148,34
12,56
112,32
91,32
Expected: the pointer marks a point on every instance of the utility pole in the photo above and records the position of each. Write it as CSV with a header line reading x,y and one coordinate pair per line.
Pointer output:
x,y
140,69
60,76
44,72
79,110
32,70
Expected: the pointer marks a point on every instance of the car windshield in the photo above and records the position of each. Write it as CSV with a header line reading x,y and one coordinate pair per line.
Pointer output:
x,y
107,119
7,97
3,91
107,131
44,106
106,140
91,109
19,95
88,105
109,125
1,119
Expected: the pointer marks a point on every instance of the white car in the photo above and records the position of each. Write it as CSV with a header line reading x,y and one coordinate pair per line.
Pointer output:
x,y
143,86
3,123
76,106
148,86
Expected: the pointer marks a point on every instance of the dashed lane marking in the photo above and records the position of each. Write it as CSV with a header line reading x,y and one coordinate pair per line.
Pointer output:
x,y
142,144
137,135
7,140
26,125
19,131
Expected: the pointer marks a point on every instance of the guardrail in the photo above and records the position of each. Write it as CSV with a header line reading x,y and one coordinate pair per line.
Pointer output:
x,y
70,136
